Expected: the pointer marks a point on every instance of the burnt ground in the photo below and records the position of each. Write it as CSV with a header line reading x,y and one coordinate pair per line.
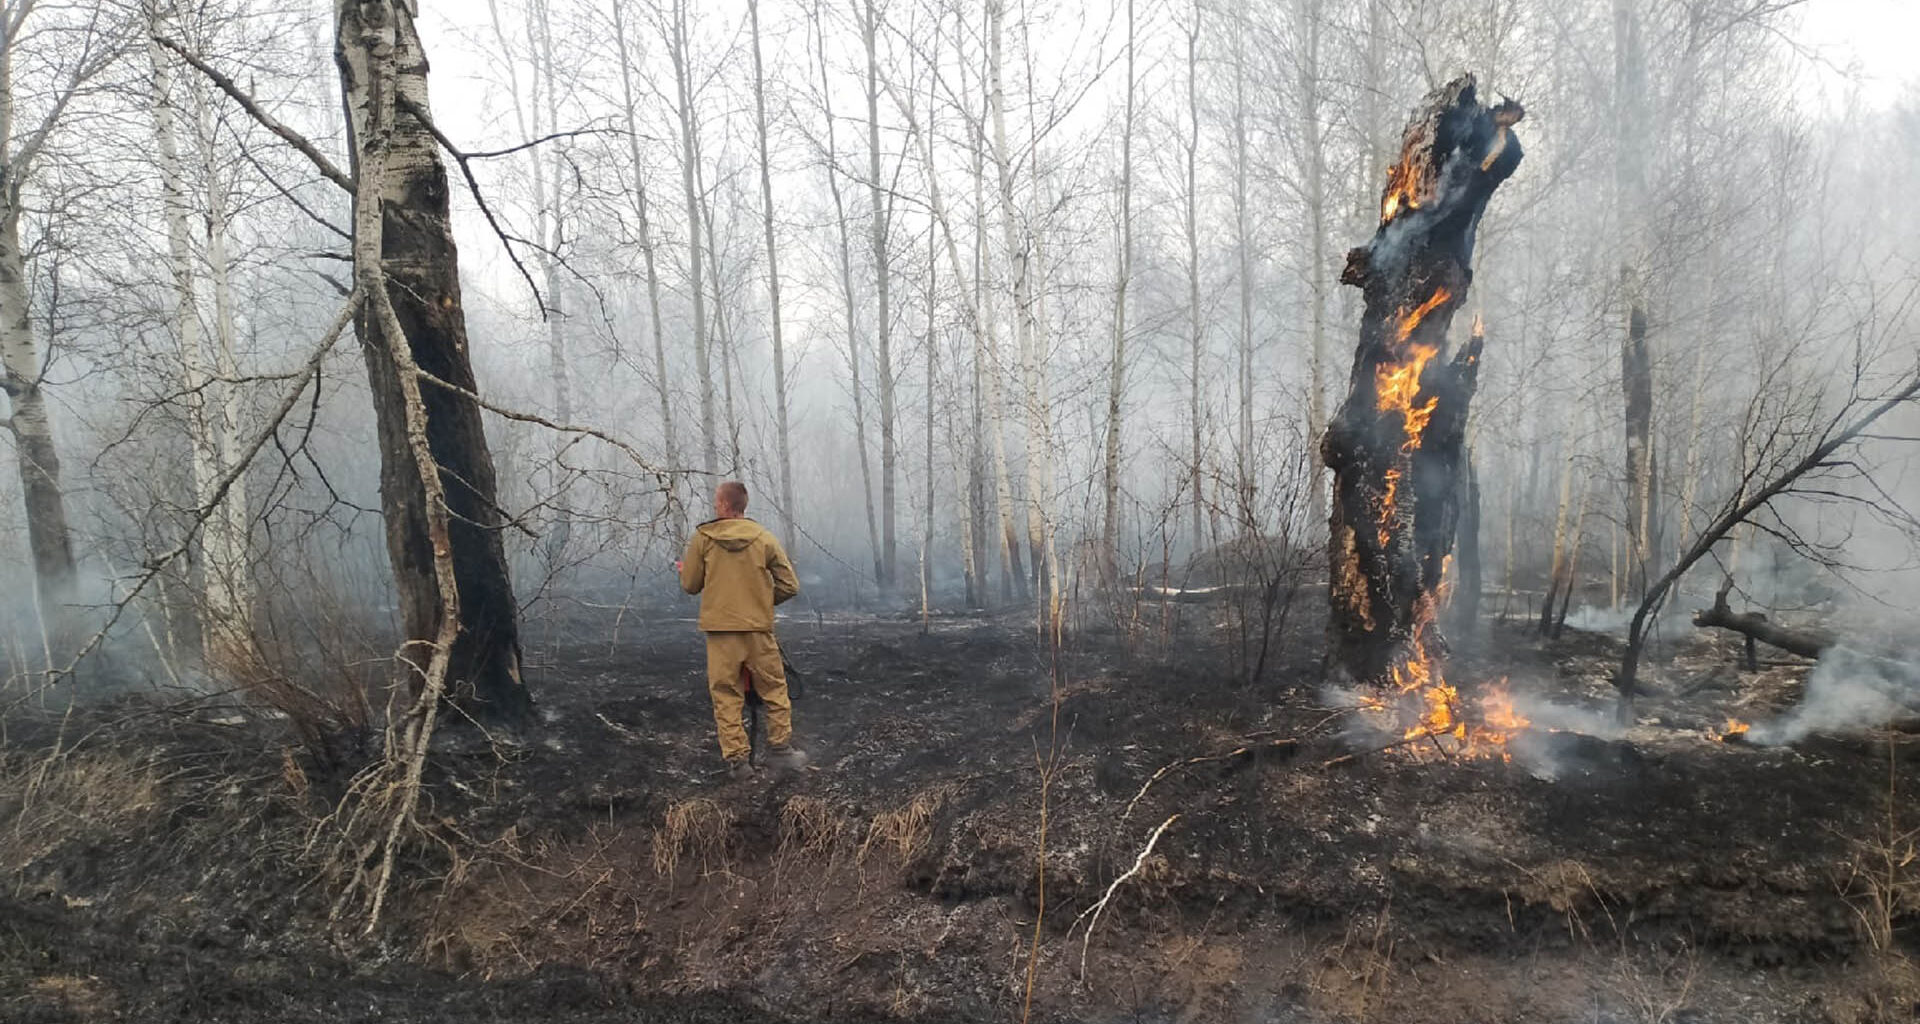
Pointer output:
x,y
157,864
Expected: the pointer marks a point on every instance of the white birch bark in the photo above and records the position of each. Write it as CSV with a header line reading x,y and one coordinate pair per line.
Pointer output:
x,y
1117,370
644,225
785,465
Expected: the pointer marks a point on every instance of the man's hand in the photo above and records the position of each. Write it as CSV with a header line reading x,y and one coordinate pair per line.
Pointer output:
x,y
676,565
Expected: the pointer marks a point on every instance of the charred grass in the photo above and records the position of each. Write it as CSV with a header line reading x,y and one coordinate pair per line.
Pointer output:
x,y
603,864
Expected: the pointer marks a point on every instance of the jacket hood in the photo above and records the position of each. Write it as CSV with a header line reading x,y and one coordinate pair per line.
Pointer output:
x,y
732,534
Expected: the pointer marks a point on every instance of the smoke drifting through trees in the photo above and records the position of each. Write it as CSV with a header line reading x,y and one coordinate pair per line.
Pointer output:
x,y
1081,248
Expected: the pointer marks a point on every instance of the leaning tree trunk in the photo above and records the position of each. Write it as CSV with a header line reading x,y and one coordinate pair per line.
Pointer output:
x,y
423,283
1397,443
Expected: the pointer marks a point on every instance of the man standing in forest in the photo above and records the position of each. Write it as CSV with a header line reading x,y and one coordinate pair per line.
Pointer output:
x,y
740,572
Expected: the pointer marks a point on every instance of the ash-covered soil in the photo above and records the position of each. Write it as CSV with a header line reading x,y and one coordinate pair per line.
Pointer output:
x,y
158,862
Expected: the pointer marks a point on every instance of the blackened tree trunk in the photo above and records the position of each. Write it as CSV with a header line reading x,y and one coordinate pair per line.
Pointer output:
x,y
1636,358
1397,443
1466,564
423,283
1636,375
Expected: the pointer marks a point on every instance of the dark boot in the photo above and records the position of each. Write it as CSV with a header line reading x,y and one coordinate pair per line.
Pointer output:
x,y
787,757
739,770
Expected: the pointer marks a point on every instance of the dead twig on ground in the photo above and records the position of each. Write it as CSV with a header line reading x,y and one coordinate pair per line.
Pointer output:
x,y
1240,751
1099,908
1358,754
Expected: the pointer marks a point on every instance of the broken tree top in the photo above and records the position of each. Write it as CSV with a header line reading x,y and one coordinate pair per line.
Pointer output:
x,y
1455,153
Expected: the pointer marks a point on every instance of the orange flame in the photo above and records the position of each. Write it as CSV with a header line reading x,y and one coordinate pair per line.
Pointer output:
x,y
1402,190
1426,706
1733,728
1412,320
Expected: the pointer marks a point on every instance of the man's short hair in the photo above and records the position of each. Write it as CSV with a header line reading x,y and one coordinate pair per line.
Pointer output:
x,y
733,494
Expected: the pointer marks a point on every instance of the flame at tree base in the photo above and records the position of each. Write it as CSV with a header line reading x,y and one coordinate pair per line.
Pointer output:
x,y
1424,706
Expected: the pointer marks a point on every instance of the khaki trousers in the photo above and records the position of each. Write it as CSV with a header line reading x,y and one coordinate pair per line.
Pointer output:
x,y
759,654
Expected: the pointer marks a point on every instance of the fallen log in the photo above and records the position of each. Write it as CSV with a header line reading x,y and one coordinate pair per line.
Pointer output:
x,y
1808,643
1197,595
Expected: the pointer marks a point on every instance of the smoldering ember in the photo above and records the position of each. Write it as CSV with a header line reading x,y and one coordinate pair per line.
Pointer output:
x,y
1282,511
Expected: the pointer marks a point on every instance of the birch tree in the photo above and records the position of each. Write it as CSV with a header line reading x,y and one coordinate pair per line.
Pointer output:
x,y
880,196
1196,326
843,237
643,220
212,400
784,466
675,32
443,519
82,45
1117,372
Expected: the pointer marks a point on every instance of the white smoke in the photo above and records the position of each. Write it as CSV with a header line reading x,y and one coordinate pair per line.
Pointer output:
x,y
1552,716
1848,691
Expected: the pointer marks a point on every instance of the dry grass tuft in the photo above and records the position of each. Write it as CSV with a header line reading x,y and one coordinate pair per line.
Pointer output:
x,y
46,801
1881,882
694,828
1356,975
809,827
905,829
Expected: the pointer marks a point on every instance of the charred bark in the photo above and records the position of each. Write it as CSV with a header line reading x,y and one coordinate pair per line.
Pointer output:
x,y
1397,443
1636,375
1806,643
1465,610
421,268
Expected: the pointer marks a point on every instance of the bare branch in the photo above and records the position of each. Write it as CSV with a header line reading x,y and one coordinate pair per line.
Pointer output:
x,y
267,121
155,566
473,185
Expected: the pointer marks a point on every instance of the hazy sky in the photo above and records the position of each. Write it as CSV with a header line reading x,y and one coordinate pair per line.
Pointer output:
x,y
1872,40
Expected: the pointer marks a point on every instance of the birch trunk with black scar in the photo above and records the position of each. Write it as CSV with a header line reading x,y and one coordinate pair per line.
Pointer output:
x,y
422,282
1397,464
1636,358
32,428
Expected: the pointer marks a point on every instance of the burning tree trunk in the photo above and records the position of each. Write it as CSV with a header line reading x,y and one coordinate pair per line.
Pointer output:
x,y
1397,443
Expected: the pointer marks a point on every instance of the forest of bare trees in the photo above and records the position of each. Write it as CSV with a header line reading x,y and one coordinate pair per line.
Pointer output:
x,y
361,357
1087,254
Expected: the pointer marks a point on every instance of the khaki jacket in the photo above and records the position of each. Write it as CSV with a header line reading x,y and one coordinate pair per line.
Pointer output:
x,y
740,572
